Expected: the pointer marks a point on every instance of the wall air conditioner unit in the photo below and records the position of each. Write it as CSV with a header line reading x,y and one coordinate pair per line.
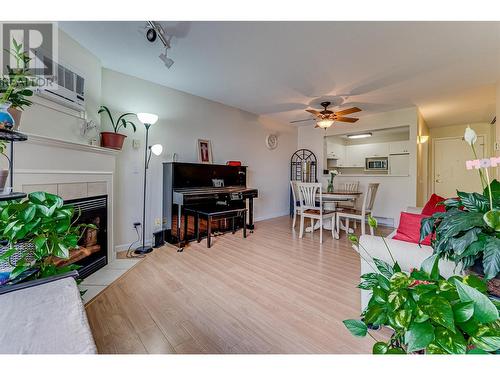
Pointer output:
x,y
69,90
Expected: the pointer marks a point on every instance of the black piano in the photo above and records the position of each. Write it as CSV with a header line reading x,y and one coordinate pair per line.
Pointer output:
x,y
191,184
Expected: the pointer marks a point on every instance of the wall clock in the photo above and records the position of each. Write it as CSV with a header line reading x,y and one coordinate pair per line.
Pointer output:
x,y
272,141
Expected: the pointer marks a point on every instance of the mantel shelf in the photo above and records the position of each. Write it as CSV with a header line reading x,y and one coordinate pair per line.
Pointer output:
x,y
55,142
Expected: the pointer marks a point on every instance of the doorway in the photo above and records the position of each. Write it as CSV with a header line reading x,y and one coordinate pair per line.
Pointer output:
x,y
450,174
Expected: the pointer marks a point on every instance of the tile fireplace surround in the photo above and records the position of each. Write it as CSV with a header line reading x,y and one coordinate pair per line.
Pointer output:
x,y
68,169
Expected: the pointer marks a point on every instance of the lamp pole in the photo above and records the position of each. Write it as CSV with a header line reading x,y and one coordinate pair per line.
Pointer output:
x,y
144,249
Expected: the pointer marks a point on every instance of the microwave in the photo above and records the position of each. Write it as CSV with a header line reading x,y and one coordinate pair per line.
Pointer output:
x,y
376,164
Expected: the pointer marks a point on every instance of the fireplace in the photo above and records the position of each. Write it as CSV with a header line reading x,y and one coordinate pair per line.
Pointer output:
x,y
92,253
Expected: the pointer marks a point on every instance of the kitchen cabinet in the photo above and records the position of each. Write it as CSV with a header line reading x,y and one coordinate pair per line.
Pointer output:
x,y
335,151
376,150
355,155
400,147
399,165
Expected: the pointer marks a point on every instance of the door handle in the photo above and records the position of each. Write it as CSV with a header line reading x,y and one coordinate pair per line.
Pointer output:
x,y
438,181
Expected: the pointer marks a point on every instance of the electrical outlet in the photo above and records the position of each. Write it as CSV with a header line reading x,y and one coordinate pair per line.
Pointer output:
x,y
136,144
158,221
497,146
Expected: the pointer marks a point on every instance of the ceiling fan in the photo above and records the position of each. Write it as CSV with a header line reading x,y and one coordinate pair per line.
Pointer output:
x,y
326,118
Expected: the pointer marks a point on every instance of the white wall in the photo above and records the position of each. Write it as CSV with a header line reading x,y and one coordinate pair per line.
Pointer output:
x,y
183,118
395,193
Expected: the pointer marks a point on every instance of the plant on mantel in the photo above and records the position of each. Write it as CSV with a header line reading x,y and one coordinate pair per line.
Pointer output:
x,y
468,233
17,86
426,313
45,228
114,139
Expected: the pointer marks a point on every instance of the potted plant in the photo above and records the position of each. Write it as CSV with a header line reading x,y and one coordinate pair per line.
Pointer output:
x,y
114,139
426,313
33,232
468,233
16,87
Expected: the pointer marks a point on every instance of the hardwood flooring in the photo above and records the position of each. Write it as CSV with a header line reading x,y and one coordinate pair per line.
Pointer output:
x,y
269,293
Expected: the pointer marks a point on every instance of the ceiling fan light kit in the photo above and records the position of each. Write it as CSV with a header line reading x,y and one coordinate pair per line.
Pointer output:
x,y
326,118
324,123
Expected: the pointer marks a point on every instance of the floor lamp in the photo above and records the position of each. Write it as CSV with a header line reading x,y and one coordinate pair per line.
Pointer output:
x,y
147,119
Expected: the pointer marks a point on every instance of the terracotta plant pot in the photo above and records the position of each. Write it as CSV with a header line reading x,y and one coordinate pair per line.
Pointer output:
x,y
16,114
112,140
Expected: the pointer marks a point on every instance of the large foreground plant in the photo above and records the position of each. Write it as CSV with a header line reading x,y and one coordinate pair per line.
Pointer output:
x,y
426,312
45,221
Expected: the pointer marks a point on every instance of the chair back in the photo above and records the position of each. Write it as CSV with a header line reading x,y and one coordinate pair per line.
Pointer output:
x,y
369,198
295,193
309,194
349,186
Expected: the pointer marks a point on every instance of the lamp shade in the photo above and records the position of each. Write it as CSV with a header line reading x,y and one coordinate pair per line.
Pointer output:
x,y
147,118
157,149
324,123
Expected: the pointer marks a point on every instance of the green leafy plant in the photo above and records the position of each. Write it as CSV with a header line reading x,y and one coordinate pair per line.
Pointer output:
x,y
469,230
45,221
426,312
17,86
121,121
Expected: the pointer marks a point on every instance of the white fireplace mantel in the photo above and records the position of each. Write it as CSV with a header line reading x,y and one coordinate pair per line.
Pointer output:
x,y
69,169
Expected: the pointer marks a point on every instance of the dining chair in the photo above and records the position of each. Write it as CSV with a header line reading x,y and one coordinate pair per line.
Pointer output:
x,y
355,214
310,195
296,204
348,186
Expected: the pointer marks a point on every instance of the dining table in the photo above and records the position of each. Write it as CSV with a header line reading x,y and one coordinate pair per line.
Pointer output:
x,y
334,197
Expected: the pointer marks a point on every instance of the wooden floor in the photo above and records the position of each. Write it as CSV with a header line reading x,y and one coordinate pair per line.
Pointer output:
x,y
270,293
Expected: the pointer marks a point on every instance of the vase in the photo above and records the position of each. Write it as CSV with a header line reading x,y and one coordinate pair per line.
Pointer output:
x,y
16,115
6,119
329,189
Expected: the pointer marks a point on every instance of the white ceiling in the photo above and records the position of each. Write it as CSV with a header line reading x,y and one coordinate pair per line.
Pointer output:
x,y
448,69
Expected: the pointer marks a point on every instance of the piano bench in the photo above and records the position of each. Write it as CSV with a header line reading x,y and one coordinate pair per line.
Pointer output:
x,y
210,213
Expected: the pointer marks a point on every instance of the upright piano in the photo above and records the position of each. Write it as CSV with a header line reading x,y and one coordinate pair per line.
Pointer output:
x,y
190,184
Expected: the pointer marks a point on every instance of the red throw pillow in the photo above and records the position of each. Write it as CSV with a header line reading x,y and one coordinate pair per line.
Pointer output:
x,y
409,228
431,207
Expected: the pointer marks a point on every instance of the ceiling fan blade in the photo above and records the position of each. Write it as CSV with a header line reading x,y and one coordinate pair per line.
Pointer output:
x,y
346,119
348,111
307,119
313,111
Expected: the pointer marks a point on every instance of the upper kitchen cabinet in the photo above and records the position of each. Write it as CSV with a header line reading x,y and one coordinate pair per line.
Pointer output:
x,y
399,147
335,151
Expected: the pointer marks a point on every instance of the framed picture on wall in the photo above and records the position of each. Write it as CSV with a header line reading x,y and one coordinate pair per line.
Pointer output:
x,y
204,151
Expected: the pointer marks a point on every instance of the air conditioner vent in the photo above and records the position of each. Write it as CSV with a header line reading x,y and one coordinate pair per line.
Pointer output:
x,y
70,90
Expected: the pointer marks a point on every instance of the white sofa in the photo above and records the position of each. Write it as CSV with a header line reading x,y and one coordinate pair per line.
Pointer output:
x,y
408,255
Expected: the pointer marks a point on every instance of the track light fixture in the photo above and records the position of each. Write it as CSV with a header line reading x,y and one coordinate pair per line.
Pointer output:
x,y
153,31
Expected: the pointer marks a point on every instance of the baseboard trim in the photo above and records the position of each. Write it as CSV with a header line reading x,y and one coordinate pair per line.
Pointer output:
x,y
124,247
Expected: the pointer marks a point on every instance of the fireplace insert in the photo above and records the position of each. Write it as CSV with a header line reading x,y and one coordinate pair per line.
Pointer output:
x,y
92,253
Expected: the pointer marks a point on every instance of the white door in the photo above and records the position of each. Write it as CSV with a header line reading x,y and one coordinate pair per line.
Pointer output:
x,y
450,173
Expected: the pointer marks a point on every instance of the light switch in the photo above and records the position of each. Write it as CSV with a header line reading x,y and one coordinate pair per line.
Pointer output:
x,y
136,144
